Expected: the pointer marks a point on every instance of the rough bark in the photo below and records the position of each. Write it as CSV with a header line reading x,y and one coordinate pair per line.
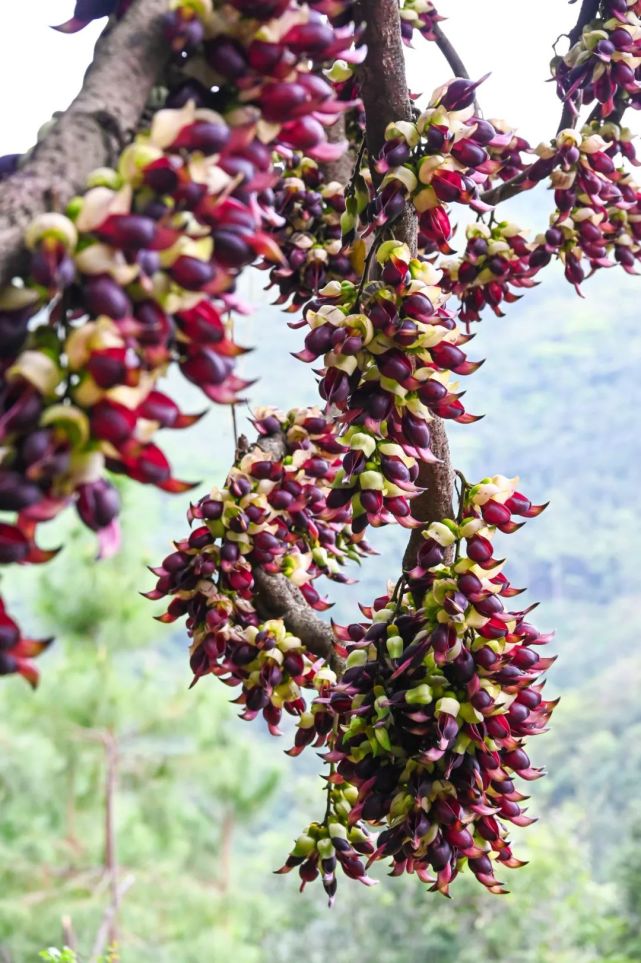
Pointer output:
x,y
386,98
278,599
340,169
129,58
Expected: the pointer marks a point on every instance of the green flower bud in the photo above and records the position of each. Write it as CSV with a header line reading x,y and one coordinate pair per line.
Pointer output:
x,y
419,695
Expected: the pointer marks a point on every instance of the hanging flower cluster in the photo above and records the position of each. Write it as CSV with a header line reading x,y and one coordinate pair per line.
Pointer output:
x,y
310,238
336,842
139,273
389,352
604,65
425,729
265,59
597,221
442,687
271,515
496,260
439,159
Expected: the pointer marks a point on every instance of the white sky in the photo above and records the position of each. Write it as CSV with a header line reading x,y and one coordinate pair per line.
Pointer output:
x,y
41,70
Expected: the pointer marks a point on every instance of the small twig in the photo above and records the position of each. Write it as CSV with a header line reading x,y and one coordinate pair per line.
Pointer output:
x,y
376,243
463,489
502,192
68,934
358,163
450,53
101,942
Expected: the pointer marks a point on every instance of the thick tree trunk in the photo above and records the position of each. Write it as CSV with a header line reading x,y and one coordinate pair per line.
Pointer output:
x,y
386,98
90,133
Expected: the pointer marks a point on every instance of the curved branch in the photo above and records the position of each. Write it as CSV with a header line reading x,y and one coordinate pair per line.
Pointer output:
x,y
128,59
502,192
450,53
588,11
453,57
278,598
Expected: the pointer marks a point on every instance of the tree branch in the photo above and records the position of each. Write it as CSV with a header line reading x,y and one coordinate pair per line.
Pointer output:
x,y
278,598
129,58
502,192
385,96
450,53
588,11
452,56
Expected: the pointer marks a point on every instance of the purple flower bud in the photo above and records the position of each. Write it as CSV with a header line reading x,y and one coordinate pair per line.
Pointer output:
x,y
419,307
469,584
98,503
518,713
431,392
529,698
103,296
395,365
205,136
621,39
430,553
128,231
227,57
516,759
17,492
482,699
489,606
460,93
372,501
319,340
479,549
112,422
495,513
468,153
394,469
191,273
415,430
310,38
447,355
279,101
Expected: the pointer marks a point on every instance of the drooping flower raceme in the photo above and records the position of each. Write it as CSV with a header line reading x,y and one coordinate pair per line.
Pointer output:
x,y
426,729
270,515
